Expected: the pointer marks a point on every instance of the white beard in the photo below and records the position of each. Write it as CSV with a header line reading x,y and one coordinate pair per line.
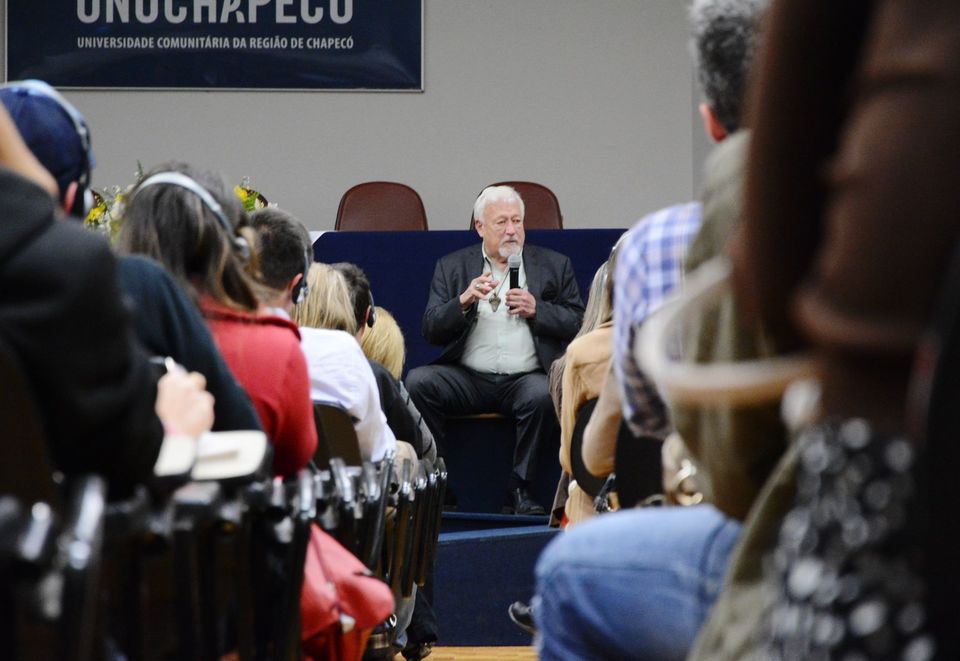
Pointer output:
x,y
507,249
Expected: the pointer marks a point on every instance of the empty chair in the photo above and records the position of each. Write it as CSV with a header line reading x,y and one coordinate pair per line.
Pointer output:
x,y
541,207
381,206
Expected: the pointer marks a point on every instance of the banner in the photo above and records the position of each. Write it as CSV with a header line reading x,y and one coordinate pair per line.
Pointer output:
x,y
217,44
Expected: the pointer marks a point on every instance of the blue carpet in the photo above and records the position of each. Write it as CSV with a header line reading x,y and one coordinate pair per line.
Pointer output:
x,y
477,575
475,521
479,456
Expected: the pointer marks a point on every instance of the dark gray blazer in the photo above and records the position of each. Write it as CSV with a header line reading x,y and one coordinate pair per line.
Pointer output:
x,y
550,279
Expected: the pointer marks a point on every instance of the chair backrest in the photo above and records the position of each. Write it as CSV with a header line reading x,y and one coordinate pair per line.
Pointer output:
x,y
25,467
381,206
589,482
639,467
541,207
336,435
62,540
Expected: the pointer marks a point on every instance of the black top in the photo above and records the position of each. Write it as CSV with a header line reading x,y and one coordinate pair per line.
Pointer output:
x,y
169,324
399,418
61,314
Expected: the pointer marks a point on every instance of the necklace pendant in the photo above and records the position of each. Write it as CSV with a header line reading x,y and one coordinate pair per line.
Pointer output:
x,y
494,302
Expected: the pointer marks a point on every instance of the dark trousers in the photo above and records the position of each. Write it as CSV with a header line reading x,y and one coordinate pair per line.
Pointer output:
x,y
442,391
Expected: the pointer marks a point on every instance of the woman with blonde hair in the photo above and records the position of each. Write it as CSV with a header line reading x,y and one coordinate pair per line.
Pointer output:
x,y
384,343
339,371
327,304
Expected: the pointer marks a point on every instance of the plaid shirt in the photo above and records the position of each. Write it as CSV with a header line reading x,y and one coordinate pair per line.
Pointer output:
x,y
649,266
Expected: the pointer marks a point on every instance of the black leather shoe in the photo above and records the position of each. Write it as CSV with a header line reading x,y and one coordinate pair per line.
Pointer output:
x,y
520,502
522,616
417,651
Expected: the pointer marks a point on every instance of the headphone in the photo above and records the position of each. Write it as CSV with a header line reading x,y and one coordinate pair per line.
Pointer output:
x,y
302,288
183,181
372,317
83,202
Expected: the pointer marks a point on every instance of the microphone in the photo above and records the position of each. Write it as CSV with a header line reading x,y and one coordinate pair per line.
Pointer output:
x,y
513,263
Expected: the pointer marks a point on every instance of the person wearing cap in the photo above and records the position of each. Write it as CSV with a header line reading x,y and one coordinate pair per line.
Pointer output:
x,y
97,395
499,341
166,322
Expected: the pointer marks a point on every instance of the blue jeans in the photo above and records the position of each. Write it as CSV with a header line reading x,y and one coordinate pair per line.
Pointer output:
x,y
635,584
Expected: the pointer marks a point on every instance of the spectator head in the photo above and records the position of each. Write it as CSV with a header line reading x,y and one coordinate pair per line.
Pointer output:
x,y
358,287
498,218
383,343
599,300
192,223
725,38
327,303
284,254
57,135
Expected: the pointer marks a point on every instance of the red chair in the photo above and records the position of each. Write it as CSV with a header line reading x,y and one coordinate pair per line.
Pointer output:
x,y
381,206
541,207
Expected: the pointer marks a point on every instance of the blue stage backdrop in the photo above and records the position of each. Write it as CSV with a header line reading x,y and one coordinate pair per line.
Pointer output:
x,y
219,44
400,267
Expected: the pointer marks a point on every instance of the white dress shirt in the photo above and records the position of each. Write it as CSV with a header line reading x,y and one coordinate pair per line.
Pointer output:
x,y
339,372
500,343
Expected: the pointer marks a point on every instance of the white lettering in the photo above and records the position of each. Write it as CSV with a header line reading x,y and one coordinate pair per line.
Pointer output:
x,y
174,17
253,6
123,10
84,15
282,16
200,5
145,16
310,18
341,17
285,12
230,7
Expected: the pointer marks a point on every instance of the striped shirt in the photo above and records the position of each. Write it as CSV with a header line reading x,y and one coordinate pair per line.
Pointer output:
x,y
649,265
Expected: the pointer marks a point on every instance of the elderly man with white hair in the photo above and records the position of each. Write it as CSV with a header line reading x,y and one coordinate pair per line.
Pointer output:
x,y
499,337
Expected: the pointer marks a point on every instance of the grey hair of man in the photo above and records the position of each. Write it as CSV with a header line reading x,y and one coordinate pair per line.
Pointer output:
x,y
725,37
492,194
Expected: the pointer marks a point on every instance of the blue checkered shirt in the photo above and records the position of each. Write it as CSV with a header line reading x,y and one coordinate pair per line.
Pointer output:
x,y
649,266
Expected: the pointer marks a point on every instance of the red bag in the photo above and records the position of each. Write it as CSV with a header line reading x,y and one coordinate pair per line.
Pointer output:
x,y
341,601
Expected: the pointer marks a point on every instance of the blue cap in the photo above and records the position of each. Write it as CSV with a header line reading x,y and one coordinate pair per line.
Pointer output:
x,y
53,129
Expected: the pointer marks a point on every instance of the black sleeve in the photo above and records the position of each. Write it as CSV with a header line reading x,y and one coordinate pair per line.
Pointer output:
x,y
95,388
560,310
399,418
444,320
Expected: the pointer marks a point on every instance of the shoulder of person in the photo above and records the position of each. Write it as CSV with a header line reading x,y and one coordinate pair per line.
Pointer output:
x,y
544,255
462,255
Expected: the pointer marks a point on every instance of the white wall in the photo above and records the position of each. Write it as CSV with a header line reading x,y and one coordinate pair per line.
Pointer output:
x,y
593,98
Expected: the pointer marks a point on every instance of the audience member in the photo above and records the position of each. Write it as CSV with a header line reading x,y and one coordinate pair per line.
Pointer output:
x,y
284,256
591,317
189,222
383,343
499,340
399,417
98,396
850,222
588,604
166,323
586,363
339,372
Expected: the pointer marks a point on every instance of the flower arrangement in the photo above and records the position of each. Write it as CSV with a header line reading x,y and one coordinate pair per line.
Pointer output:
x,y
107,213
252,200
